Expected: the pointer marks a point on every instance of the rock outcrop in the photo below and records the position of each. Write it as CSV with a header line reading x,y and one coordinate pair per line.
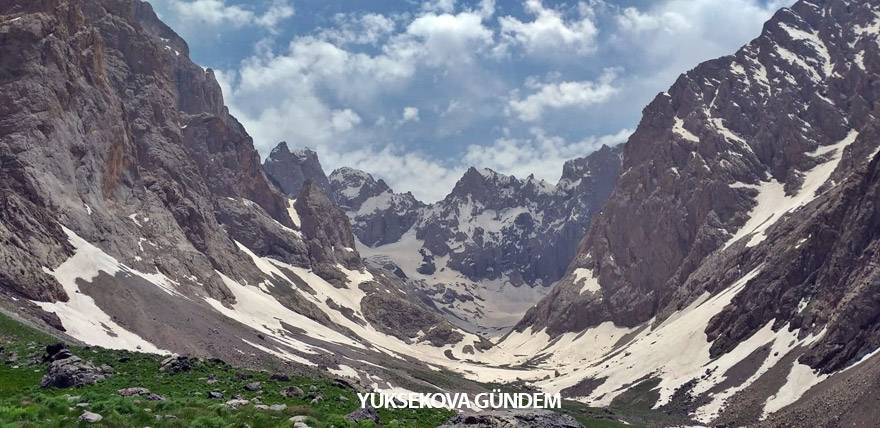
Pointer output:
x,y
291,169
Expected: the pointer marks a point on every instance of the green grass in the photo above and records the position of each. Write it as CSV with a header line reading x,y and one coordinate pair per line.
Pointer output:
x,y
24,404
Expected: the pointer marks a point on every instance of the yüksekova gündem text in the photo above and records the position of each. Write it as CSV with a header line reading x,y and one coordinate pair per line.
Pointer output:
x,y
494,400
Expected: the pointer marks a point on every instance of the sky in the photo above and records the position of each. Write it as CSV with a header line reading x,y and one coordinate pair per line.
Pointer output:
x,y
417,92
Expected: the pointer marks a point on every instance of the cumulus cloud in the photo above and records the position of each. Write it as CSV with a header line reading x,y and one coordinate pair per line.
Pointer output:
x,y
443,6
564,94
217,12
358,29
410,114
406,170
346,86
446,39
540,154
550,33
656,34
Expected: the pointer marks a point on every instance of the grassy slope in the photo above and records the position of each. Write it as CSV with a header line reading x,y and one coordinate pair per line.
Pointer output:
x,y
24,404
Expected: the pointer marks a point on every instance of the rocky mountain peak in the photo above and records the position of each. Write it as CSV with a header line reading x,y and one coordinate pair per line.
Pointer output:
x,y
352,187
289,170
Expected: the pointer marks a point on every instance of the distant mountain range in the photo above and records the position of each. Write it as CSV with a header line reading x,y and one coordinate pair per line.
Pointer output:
x,y
486,252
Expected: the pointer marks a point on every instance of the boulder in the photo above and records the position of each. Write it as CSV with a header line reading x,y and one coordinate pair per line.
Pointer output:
x,y
129,392
177,364
236,403
364,414
89,417
71,372
292,391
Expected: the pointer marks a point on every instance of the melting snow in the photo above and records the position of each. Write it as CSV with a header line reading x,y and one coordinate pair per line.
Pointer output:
x,y
815,42
585,276
799,380
773,203
291,211
80,315
679,129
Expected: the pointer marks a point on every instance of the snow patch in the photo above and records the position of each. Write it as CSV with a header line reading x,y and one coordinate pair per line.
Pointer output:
x,y
81,317
772,202
585,276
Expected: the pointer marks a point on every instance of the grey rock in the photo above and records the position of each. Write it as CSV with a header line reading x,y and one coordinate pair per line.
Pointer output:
x,y
71,372
291,169
176,364
512,419
129,392
292,391
364,414
89,417
236,403
254,386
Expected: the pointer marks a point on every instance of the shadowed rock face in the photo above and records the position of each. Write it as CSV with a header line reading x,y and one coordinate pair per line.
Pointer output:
x,y
791,107
379,216
327,229
110,130
290,170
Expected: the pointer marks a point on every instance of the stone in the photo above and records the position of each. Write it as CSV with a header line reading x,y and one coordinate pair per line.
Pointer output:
x,y
176,364
364,414
128,392
71,372
292,391
89,417
280,377
236,403
253,386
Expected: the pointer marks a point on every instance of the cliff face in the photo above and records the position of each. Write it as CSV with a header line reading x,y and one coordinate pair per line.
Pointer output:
x,y
708,151
742,231
291,170
135,213
106,121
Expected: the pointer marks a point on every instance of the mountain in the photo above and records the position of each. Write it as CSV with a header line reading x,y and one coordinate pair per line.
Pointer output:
x,y
487,251
290,170
735,263
379,216
135,213
729,279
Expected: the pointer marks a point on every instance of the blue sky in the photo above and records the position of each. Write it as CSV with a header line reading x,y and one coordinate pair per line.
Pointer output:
x,y
415,92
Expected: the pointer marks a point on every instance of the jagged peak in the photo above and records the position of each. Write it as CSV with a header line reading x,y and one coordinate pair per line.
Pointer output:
x,y
349,173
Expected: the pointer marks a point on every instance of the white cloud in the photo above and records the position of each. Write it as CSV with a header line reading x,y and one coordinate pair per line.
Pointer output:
x,y
363,29
278,11
443,6
404,169
446,39
539,154
676,35
343,88
549,34
564,94
218,13
410,114
344,120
